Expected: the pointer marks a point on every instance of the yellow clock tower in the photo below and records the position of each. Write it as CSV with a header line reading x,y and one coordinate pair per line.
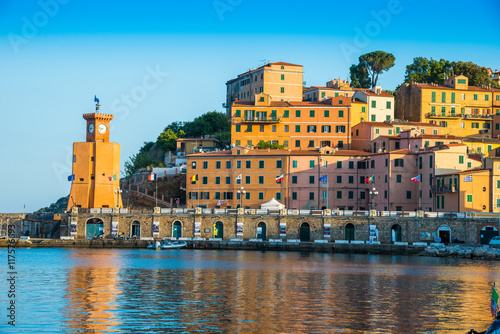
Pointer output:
x,y
96,166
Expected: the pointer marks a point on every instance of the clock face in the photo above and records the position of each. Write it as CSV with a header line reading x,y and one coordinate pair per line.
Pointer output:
x,y
91,128
102,128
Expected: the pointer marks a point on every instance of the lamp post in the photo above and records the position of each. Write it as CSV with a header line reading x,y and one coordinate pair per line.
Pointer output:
x,y
241,193
373,193
118,191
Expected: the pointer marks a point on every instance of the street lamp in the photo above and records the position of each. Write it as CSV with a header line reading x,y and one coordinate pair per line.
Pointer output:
x,y
118,191
373,193
241,193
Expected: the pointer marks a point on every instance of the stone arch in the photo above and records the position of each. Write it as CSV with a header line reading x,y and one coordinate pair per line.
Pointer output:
x,y
135,229
444,232
305,232
177,229
396,233
486,233
261,231
349,232
94,227
218,230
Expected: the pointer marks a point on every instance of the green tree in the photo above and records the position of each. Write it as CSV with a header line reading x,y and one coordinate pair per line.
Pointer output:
x,y
359,76
267,144
425,70
478,75
209,123
375,63
167,139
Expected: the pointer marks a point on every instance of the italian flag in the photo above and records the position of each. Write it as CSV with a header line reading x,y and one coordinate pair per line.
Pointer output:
x,y
494,301
112,178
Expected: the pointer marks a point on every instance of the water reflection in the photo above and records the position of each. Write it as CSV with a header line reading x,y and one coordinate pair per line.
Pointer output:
x,y
140,291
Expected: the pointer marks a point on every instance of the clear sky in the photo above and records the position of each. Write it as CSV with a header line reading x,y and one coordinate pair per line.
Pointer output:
x,y
153,62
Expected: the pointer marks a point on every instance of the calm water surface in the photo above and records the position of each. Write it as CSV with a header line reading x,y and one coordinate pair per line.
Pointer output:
x,y
197,291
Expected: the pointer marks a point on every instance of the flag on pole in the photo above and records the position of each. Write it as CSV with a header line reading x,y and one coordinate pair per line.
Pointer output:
x,y
71,177
494,301
96,100
279,178
194,178
323,179
238,177
369,179
416,179
468,178
152,177
112,178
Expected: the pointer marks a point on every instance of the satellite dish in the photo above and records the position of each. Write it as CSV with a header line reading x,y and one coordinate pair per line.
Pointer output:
x,y
232,145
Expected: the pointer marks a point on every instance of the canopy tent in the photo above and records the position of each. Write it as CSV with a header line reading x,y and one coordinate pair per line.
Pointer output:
x,y
272,205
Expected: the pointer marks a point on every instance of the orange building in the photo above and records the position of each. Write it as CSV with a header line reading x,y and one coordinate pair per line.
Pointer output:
x,y
96,166
293,124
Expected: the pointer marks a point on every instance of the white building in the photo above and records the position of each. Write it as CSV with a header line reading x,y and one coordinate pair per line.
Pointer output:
x,y
380,104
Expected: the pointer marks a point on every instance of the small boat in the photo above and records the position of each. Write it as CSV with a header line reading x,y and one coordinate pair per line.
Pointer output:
x,y
167,244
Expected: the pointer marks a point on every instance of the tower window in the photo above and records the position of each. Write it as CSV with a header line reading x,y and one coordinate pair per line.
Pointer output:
x,y
80,179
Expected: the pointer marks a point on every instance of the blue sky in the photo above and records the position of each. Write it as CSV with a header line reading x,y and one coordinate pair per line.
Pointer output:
x,y
155,62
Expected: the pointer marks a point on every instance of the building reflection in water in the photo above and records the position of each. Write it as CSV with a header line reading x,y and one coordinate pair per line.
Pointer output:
x,y
91,291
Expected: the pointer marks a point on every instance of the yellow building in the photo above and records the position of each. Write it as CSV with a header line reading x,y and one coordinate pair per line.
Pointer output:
x,y
282,81
293,124
358,112
481,146
334,88
462,109
96,167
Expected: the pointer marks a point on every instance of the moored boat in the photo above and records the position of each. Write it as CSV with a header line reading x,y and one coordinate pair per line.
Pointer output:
x,y
167,244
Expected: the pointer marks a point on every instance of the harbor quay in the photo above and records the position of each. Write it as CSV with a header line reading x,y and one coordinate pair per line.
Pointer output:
x,y
240,228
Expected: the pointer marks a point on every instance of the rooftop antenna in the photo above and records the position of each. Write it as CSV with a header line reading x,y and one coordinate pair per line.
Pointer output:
x,y
97,105
263,61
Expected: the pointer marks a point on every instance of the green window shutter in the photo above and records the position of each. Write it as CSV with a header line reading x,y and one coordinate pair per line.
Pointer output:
x,y
336,94
282,77
311,163
363,109
311,113
443,97
388,105
452,97
475,97
297,128
237,113
322,94
373,118
297,113
286,114
341,113
294,163
433,98
486,97
374,104
327,113
238,128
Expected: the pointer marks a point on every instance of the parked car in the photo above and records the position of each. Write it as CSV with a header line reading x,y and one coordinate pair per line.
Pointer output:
x,y
495,242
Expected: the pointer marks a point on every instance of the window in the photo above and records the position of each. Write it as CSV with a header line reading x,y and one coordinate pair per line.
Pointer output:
x,y
339,194
193,165
311,196
374,104
443,97
463,96
408,195
261,196
339,178
261,99
228,179
282,89
399,163
194,195
385,178
362,195
217,180
286,113
297,143
285,128
311,143
475,97
261,164
247,180
237,113
385,193
341,102
238,128
217,195
326,128
388,105
228,195
297,128
228,164
204,180
351,179
282,77
461,81
433,97
452,97
341,113
294,179
238,142
377,131
238,164
294,195
396,145
278,196
469,164
460,159
205,164
261,179
339,164
398,178
279,164
373,118
297,113
311,179
372,164
340,144
362,179
311,163
311,113
340,129
350,194
248,164
469,198
322,94
261,128
327,113
249,128
486,97
311,128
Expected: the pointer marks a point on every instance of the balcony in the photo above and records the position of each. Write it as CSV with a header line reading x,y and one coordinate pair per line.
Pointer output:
x,y
444,189
441,115
478,116
260,119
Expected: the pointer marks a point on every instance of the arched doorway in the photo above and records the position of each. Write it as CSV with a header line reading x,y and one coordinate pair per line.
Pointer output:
x,y
47,228
444,232
135,229
396,233
261,231
487,233
349,232
305,232
219,230
94,228
177,229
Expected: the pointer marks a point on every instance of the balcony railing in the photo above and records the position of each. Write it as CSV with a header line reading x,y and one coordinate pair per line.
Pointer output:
x,y
441,115
444,189
260,119
478,116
